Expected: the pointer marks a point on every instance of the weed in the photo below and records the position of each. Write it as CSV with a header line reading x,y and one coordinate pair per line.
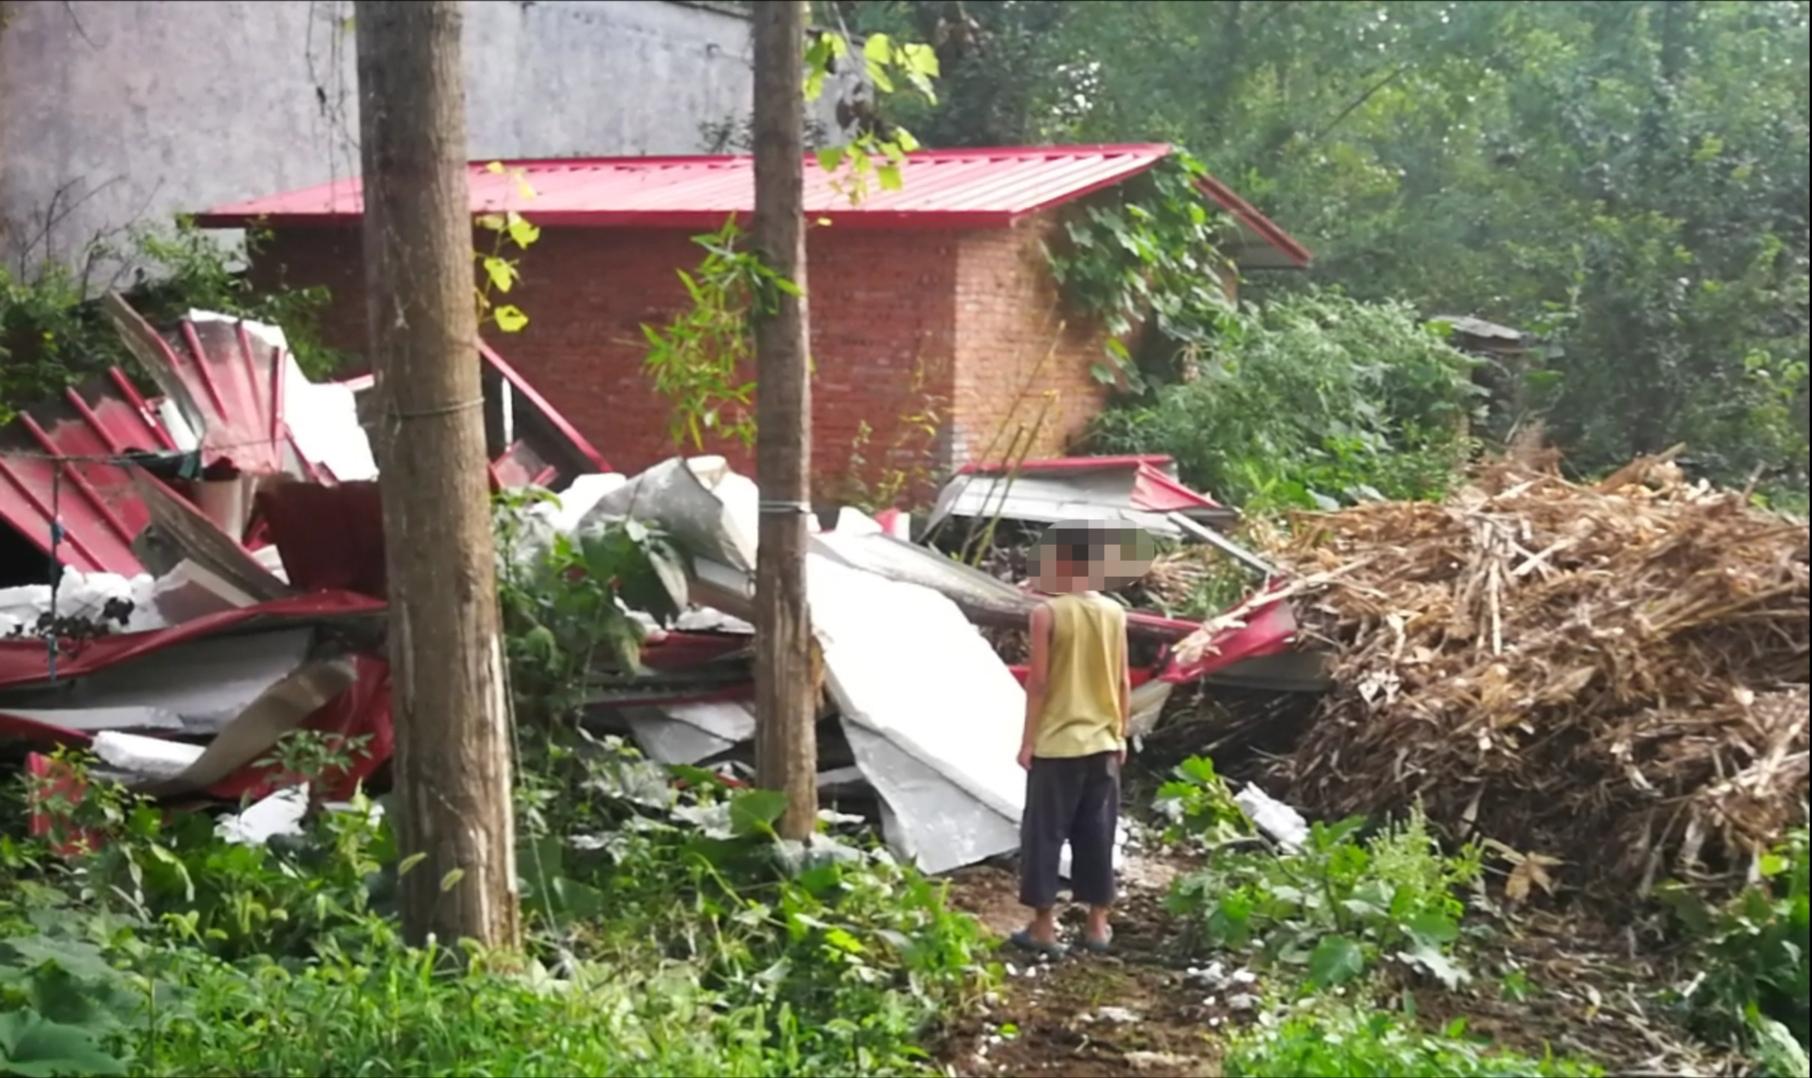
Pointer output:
x,y
1341,905
1754,958
1199,807
671,932
1337,1039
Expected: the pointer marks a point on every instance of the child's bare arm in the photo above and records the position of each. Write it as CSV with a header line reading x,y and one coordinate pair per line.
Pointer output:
x,y
1039,632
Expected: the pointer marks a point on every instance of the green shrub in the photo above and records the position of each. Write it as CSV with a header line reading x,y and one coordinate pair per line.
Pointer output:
x,y
53,333
1754,957
669,932
1329,1039
1339,906
1311,400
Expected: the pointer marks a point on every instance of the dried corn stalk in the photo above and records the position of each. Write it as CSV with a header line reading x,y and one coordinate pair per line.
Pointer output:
x,y
1615,675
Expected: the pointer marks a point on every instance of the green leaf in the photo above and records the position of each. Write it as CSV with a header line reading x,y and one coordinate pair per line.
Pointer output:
x,y
409,862
510,318
522,233
31,1047
1432,928
495,168
919,58
878,48
843,941
1444,969
492,221
753,812
890,178
830,158
451,879
501,272
75,957
1335,961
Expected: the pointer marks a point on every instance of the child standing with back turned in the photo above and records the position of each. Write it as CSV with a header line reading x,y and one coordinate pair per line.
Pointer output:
x,y
1078,703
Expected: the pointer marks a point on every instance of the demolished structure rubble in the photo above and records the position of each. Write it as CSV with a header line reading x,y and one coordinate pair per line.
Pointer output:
x,y
236,519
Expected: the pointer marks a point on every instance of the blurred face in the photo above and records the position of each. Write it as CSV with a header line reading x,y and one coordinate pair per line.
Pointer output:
x,y
1091,556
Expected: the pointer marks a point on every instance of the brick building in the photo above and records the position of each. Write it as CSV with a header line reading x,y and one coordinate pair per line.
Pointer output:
x,y
934,296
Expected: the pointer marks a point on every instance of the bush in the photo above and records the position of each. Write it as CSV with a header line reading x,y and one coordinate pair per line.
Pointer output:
x,y
1311,400
1329,1039
1754,957
53,333
1341,905
669,932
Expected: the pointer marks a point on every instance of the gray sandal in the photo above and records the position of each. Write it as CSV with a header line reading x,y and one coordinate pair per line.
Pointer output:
x,y
1024,941
1098,946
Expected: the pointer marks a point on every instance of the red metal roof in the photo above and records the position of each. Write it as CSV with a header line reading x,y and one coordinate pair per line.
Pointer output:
x,y
100,510
978,188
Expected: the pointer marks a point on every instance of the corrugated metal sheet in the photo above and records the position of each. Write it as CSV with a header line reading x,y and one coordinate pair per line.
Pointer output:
x,y
978,188
100,510
975,188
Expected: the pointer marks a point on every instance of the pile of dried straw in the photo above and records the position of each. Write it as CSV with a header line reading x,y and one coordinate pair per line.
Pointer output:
x,y
1612,675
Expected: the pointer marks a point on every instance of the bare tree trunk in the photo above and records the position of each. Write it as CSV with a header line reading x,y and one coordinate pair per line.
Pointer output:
x,y
452,735
786,756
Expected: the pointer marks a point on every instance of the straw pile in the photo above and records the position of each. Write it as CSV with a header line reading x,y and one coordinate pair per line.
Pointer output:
x,y
1614,676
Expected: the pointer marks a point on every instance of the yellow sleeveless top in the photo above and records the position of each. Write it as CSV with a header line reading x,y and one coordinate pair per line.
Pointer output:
x,y
1081,714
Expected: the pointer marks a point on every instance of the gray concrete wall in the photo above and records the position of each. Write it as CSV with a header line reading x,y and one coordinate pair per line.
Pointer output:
x,y
124,112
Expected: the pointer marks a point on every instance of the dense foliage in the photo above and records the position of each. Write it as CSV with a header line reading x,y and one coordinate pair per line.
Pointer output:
x,y
52,330
1756,957
1333,1039
1309,399
1628,180
670,934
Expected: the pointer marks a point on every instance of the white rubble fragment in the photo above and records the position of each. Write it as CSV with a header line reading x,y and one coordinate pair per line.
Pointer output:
x,y
1276,819
81,595
279,814
149,757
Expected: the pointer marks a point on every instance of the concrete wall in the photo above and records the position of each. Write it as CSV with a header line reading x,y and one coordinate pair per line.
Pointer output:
x,y
129,111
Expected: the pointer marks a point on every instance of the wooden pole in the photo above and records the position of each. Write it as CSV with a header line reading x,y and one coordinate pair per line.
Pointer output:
x,y
786,756
452,763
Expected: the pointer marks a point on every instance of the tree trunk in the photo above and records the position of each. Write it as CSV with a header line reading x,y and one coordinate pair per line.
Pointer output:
x,y
452,762
786,747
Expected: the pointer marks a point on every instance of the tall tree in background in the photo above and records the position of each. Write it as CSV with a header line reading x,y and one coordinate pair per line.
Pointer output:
x,y
785,689
1628,179
447,685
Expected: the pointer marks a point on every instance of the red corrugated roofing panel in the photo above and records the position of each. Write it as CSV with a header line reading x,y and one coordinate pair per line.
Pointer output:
x,y
100,510
977,188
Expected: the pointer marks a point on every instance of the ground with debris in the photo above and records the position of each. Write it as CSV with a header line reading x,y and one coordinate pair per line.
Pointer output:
x,y
1129,1013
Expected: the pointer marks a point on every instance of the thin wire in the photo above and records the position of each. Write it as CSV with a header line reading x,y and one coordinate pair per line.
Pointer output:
x,y
132,457
56,575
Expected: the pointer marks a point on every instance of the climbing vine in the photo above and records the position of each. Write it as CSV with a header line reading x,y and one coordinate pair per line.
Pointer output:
x,y
876,147
1145,259
701,359
510,231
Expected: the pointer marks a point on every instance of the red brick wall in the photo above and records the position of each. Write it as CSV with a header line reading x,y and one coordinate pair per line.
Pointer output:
x,y
930,324
1018,346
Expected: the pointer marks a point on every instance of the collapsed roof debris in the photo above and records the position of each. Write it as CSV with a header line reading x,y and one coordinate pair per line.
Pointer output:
x,y
253,513
1141,490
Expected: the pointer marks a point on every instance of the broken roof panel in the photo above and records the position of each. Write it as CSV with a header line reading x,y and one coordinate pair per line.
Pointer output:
x,y
1139,490
100,510
965,188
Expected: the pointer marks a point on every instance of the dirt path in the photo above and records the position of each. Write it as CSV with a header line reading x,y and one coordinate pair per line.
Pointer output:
x,y
1131,1013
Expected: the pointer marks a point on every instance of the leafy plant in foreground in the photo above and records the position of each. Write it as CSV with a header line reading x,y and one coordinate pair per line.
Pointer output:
x,y
1199,806
1341,905
1330,1039
566,600
1755,957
